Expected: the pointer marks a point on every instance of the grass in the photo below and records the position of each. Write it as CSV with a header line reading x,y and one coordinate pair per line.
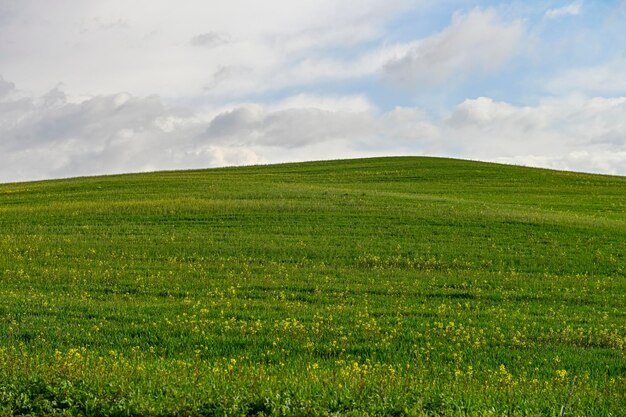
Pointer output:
x,y
389,286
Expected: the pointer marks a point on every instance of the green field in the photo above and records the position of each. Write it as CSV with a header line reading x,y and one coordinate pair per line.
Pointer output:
x,y
388,286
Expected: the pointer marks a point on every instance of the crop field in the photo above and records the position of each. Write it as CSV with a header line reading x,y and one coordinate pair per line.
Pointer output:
x,y
388,286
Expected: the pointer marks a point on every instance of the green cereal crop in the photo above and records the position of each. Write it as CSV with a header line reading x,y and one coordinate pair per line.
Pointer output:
x,y
388,286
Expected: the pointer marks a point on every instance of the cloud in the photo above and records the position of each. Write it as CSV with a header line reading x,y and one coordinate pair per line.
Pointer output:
x,y
599,161
6,87
209,39
58,135
575,120
575,133
608,78
354,103
477,41
52,136
571,9
485,113
152,54
288,128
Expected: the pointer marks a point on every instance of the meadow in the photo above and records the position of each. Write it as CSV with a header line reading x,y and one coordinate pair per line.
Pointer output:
x,y
389,286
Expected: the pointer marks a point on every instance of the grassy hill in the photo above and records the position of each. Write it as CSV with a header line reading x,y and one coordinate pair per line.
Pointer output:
x,y
387,286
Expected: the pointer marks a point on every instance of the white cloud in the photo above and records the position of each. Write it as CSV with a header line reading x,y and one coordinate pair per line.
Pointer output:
x,y
300,69
151,46
571,9
485,114
574,133
477,41
226,51
608,78
598,161
355,103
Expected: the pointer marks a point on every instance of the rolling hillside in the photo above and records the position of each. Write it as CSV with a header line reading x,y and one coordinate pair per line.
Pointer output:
x,y
386,286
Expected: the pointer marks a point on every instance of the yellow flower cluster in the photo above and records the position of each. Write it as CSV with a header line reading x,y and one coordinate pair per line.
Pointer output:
x,y
561,375
505,377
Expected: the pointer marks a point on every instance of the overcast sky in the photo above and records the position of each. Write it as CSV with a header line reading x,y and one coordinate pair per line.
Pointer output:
x,y
111,86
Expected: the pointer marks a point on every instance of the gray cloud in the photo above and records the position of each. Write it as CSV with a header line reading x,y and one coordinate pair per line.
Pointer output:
x,y
51,136
210,39
52,118
7,11
288,128
115,25
234,122
5,87
56,135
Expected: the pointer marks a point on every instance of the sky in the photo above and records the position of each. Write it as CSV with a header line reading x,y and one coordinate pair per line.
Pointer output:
x,y
114,86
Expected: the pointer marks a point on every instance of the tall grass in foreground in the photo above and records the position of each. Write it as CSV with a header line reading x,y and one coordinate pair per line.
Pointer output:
x,y
392,286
